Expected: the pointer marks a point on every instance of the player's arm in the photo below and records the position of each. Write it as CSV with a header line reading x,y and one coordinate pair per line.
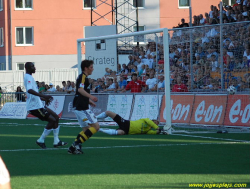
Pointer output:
x,y
4,176
86,94
42,96
92,103
47,98
153,132
151,123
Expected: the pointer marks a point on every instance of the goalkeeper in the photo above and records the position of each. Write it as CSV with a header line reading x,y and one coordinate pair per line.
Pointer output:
x,y
126,127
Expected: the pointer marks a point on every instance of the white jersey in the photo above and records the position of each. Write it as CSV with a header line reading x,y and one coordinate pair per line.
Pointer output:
x,y
33,102
151,82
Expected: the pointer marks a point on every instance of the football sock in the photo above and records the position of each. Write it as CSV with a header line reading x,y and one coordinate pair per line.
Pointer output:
x,y
56,133
83,136
46,132
109,131
101,115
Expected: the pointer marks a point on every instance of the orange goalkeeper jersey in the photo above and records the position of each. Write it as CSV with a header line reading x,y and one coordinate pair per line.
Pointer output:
x,y
142,126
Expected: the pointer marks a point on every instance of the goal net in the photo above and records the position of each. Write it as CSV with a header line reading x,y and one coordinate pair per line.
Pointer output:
x,y
184,74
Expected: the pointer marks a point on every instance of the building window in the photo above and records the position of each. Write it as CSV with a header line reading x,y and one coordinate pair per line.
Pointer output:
x,y
87,3
20,66
228,2
139,38
1,37
1,5
140,3
2,66
24,36
140,28
24,4
184,3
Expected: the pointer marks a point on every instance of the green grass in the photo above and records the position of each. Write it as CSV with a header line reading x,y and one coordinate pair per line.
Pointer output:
x,y
132,161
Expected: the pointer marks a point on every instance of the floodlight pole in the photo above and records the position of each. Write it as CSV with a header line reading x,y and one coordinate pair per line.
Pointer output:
x,y
91,13
137,22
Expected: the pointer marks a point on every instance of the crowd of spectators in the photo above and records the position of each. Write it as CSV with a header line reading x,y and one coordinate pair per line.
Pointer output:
x,y
204,72
68,87
235,13
206,45
147,62
144,69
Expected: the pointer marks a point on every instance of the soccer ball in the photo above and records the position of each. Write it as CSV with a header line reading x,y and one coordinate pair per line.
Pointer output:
x,y
231,90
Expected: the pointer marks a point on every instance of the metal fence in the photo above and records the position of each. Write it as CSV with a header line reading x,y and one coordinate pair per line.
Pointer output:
x,y
212,56
12,97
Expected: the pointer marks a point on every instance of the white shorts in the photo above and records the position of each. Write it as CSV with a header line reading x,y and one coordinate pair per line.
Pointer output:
x,y
85,117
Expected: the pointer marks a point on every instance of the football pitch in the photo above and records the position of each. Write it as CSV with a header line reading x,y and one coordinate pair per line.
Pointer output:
x,y
129,161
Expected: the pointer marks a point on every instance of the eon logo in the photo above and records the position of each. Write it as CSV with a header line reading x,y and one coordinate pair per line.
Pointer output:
x,y
235,113
179,111
208,115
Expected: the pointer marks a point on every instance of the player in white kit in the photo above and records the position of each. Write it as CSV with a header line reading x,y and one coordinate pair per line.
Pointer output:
x,y
36,108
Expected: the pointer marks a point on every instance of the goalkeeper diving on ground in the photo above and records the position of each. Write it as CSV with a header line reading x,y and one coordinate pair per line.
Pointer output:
x,y
127,127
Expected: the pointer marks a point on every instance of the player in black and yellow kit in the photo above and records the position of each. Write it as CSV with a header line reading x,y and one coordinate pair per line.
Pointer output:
x,y
81,102
126,127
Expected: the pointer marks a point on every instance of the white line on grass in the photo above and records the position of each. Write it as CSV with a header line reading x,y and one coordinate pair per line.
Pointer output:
x,y
226,139
69,125
134,146
40,125
213,138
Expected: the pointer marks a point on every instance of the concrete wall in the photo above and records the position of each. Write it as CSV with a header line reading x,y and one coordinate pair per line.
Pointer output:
x,y
46,61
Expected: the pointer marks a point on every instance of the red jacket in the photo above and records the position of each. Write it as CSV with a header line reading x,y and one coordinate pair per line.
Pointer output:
x,y
180,88
135,86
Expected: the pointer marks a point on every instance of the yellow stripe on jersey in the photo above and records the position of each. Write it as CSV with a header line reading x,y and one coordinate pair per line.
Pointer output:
x,y
142,126
83,79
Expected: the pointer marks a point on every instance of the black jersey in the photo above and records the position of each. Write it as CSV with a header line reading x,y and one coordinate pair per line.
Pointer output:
x,y
81,102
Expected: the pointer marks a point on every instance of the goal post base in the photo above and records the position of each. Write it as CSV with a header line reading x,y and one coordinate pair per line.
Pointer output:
x,y
168,129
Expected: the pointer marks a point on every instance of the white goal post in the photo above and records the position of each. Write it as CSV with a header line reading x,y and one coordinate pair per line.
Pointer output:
x,y
165,36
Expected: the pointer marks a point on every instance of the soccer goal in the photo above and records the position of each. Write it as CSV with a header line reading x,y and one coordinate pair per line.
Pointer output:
x,y
160,57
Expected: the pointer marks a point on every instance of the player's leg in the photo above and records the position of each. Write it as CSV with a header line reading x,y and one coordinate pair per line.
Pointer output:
x,y
88,122
111,114
122,123
112,131
106,114
55,117
83,136
43,115
81,117
120,132
56,129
